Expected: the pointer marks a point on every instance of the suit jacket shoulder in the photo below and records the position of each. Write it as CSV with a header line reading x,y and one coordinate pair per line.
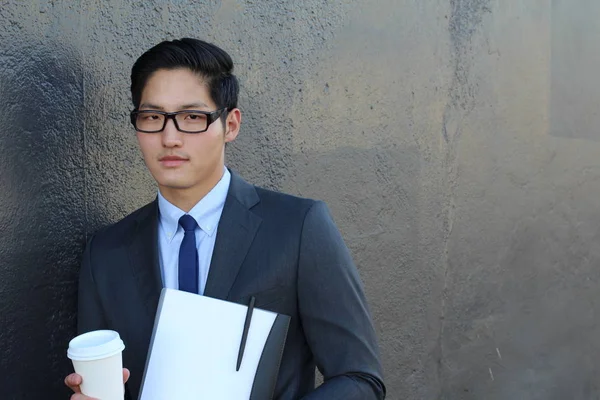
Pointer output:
x,y
121,232
277,204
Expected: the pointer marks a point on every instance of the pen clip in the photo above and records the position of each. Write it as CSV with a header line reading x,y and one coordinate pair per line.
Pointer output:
x,y
245,333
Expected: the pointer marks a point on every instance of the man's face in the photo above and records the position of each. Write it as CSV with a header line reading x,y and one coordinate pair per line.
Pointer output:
x,y
182,161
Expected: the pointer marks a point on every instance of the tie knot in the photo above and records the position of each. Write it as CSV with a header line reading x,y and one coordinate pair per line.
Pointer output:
x,y
188,223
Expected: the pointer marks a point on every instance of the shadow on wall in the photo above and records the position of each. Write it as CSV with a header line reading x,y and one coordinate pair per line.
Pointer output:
x,y
42,213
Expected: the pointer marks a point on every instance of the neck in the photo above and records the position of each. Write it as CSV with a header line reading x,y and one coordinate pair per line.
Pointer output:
x,y
186,198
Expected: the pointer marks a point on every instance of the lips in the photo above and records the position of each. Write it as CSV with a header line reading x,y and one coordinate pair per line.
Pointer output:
x,y
172,161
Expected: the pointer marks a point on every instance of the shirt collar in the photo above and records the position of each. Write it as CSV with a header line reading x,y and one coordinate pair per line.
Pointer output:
x,y
206,212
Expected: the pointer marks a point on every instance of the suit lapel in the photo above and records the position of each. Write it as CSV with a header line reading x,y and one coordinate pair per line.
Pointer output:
x,y
143,257
236,231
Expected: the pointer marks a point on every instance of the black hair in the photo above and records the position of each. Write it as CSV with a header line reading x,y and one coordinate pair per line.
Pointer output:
x,y
211,63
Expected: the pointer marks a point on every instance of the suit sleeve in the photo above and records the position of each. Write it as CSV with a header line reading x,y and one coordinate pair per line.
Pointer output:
x,y
90,315
334,314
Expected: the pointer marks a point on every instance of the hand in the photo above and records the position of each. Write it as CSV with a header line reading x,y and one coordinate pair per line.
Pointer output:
x,y
73,381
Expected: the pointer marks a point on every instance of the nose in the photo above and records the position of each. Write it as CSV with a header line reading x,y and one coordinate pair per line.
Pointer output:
x,y
171,137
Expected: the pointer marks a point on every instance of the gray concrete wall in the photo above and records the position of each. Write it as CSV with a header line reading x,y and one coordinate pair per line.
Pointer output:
x,y
455,141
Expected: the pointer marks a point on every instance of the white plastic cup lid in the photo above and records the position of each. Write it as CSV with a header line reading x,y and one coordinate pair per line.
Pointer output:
x,y
95,345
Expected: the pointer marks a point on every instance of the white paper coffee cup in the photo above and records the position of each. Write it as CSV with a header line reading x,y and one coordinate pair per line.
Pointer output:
x,y
97,357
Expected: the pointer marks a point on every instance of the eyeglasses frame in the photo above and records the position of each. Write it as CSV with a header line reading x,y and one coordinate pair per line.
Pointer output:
x,y
211,116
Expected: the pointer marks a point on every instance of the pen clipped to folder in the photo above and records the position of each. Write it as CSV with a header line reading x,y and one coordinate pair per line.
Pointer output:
x,y
245,332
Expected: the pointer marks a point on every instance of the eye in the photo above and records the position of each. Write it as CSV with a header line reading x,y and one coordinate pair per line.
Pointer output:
x,y
149,116
194,116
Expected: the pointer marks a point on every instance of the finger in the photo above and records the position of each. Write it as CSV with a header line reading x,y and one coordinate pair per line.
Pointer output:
x,y
126,375
79,396
73,381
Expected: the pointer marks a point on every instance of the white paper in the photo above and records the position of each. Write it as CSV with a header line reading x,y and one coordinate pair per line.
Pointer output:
x,y
195,349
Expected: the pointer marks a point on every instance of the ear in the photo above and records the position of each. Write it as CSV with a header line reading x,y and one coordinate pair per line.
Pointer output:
x,y
232,124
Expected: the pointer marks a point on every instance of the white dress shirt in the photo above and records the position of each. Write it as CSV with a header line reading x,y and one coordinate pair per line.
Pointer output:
x,y
207,213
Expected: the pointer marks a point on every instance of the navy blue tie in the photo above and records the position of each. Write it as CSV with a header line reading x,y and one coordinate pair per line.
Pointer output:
x,y
188,256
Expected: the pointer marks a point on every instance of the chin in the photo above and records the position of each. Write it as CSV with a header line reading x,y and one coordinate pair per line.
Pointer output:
x,y
171,184
172,180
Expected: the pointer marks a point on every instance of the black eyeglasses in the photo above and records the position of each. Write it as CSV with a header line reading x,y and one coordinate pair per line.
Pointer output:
x,y
188,121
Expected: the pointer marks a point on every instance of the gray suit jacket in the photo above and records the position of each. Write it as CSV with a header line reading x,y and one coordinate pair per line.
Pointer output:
x,y
285,251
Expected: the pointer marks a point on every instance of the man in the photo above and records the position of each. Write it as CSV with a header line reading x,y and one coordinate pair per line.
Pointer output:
x,y
247,241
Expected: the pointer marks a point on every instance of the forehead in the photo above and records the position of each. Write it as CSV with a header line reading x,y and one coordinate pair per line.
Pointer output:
x,y
172,89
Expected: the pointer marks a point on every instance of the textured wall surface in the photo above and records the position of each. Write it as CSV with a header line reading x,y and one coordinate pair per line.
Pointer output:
x,y
455,141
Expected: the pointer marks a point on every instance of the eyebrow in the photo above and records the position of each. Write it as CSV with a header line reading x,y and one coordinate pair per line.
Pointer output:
x,y
184,107
194,105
